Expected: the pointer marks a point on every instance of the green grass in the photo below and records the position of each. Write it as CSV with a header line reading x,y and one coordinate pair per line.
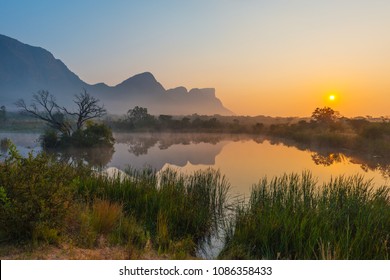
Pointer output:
x,y
170,205
45,200
290,217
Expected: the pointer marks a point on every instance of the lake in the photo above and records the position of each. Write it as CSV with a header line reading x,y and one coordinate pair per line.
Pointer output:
x,y
244,160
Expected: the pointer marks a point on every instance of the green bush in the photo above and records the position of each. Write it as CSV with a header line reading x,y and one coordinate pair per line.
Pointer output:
x,y
93,135
49,139
35,195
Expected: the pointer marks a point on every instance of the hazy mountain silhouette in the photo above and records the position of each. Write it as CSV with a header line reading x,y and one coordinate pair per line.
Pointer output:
x,y
25,69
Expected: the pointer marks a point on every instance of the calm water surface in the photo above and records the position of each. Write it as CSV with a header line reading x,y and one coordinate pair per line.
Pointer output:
x,y
242,159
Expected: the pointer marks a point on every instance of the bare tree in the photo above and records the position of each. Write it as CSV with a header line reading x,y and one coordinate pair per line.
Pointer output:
x,y
87,108
45,107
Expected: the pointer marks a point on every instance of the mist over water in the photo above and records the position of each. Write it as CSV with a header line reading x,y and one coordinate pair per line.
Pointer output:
x,y
242,159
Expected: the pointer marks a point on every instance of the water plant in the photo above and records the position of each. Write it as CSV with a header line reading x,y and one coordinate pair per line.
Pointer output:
x,y
170,205
290,217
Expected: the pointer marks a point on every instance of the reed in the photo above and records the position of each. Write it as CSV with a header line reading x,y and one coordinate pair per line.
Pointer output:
x,y
171,206
290,217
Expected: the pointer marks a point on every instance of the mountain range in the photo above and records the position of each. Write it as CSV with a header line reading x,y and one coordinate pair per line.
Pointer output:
x,y
25,69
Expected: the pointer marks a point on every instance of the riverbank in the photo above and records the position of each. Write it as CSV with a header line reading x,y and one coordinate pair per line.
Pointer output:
x,y
68,251
50,202
54,209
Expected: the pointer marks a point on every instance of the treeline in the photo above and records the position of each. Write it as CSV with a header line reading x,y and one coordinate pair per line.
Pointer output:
x,y
18,121
342,133
325,128
138,119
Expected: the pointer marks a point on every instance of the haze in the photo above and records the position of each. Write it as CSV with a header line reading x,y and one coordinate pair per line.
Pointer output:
x,y
277,58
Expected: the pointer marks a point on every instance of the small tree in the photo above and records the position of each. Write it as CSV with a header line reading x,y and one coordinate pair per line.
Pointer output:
x,y
139,116
324,115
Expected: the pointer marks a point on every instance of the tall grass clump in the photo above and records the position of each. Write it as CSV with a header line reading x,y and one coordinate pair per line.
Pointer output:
x,y
289,217
103,223
171,206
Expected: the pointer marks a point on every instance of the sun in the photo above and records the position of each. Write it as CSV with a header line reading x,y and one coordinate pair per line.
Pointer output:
x,y
332,97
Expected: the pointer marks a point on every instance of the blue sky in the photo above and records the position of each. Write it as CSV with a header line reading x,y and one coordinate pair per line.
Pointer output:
x,y
278,57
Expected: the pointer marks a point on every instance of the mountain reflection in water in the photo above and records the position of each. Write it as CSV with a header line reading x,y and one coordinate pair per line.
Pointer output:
x,y
243,159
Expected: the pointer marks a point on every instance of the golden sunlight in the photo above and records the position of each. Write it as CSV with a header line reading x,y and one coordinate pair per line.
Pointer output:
x,y
332,97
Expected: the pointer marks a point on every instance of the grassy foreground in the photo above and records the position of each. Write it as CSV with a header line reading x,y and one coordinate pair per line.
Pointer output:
x,y
74,212
47,202
291,218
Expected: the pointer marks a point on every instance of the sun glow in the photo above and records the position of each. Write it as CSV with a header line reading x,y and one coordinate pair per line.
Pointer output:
x,y
332,97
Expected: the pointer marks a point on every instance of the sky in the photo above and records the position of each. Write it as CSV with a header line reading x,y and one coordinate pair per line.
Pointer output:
x,y
264,57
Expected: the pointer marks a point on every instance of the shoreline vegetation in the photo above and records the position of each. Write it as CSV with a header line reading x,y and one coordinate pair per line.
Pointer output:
x,y
291,217
324,129
326,133
73,212
45,201
66,209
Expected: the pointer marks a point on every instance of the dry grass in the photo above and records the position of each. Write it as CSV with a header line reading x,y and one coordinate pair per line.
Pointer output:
x,y
67,251
105,215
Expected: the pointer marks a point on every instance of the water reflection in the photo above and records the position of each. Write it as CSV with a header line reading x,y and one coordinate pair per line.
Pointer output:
x,y
244,159
140,143
368,163
157,150
97,157
327,159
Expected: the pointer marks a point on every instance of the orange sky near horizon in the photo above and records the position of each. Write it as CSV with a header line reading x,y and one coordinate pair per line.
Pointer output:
x,y
269,57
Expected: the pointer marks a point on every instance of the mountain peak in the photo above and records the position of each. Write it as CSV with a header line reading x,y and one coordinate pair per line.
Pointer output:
x,y
145,75
142,82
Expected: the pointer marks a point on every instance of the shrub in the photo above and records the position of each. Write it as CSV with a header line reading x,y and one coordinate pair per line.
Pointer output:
x,y
93,135
49,139
36,193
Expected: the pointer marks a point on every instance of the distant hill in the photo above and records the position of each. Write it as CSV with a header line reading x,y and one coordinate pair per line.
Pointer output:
x,y
25,69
